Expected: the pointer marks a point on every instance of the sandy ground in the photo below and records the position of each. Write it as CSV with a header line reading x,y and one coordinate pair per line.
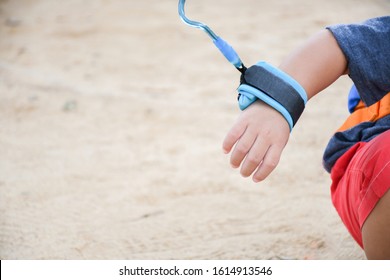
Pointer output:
x,y
112,115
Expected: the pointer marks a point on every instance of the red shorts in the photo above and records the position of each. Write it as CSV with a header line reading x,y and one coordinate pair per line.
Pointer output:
x,y
359,179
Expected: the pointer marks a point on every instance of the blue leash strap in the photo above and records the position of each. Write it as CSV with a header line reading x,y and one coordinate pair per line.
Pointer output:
x,y
227,50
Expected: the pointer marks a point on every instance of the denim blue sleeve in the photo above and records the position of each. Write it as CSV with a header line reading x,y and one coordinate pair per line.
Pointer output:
x,y
366,46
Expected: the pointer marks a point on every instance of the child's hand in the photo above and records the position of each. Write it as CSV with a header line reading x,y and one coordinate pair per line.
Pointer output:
x,y
260,135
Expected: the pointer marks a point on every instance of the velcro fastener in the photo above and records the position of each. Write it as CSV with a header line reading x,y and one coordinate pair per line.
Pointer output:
x,y
276,88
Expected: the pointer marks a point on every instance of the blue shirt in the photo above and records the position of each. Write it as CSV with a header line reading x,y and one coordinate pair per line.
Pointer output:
x,y
366,47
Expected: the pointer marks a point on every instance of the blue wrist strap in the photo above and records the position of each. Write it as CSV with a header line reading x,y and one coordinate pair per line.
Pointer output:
x,y
274,87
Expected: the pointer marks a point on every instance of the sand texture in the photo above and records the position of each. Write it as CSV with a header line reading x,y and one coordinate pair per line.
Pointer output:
x,y
112,116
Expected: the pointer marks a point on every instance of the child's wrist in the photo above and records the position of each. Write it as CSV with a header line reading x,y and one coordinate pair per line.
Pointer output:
x,y
274,87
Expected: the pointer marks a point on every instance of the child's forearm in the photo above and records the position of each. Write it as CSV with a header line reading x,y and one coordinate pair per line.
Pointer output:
x,y
261,132
316,64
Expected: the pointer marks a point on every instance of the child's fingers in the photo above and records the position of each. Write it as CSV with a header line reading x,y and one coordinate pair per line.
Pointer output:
x,y
232,137
243,145
254,157
269,163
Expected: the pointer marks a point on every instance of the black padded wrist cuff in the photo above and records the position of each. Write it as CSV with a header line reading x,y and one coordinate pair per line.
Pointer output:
x,y
274,87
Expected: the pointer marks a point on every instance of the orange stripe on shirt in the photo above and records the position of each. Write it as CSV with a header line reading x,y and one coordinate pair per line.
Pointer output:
x,y
367,114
